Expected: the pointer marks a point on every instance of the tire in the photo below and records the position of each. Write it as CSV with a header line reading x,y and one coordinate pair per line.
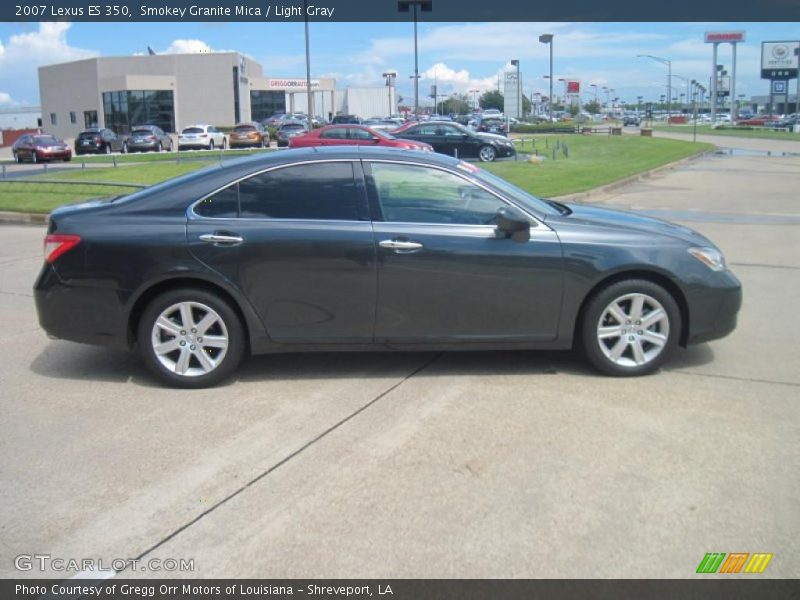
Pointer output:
x,y
124,148
159,147
224,143
34,158
487,153
169,148
210,144
107,149
614,345
69,158
190,349
17,157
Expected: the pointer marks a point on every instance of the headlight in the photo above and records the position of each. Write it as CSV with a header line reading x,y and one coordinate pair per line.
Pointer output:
x,y
710,257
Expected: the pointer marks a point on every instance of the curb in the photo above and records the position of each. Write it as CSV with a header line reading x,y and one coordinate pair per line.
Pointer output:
x,y
610,187
21,218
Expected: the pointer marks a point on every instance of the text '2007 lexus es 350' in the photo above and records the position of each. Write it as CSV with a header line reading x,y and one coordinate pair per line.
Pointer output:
x,y
370,248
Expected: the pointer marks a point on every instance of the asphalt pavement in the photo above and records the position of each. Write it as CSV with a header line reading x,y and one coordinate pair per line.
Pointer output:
x,y
489,464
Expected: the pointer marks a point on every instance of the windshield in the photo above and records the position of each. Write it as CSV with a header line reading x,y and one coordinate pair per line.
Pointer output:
x,y
509,189
45,139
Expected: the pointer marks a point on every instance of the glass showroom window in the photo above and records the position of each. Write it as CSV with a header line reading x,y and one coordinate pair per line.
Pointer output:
x,y
264,104
128,108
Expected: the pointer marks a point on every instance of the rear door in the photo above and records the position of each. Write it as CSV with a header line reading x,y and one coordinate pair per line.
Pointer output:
x,y
297,242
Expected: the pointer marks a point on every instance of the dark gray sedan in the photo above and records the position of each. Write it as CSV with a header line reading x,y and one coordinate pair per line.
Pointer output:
x,y
148,138
372,249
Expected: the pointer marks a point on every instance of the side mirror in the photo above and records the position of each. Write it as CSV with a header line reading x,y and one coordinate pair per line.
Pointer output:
x,y
376,140
512,224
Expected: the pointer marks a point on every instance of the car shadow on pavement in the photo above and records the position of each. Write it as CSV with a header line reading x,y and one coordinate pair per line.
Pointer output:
x,y
64,360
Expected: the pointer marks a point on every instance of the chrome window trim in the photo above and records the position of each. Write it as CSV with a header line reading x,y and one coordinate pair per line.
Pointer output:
x,y
191,214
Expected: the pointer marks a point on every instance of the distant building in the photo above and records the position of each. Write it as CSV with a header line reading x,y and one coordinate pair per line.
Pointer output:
x,y
20,117
169,90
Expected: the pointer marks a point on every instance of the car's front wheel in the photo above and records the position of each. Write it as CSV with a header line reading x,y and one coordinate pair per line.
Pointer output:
x,y
630,328
487,153
191,338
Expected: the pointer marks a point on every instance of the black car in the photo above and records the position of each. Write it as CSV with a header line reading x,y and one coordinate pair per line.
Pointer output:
x,y
631,119
456,140
288,130
99,140
148,138
355,248
491,125
346,120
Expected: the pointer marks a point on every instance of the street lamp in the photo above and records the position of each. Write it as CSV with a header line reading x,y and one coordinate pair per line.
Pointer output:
x,y
474,98
664,61
547,38
390,76
424,6
594,85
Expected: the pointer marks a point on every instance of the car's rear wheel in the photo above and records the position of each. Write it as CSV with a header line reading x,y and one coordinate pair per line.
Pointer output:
x,y
210,144
18,157
224,144
630,328
107,149
34,158
487,153
124,149
191,338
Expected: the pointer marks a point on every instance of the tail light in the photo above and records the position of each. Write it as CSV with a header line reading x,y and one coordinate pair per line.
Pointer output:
x,y
98,139
57,244
204,135
151,137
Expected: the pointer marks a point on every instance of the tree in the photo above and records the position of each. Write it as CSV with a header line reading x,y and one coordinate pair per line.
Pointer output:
x,y
593,107
455,104
526,105
491,99
573,109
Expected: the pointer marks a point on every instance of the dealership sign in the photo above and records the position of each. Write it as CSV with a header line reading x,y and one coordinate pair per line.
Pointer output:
x,y
574,86
724,37
779,60
292,84
511,92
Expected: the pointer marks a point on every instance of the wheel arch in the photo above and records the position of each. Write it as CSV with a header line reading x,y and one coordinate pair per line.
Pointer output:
x,y
648,275
165,285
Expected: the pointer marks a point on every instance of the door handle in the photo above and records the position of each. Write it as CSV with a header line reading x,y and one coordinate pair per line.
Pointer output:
x,y
222,238
400,245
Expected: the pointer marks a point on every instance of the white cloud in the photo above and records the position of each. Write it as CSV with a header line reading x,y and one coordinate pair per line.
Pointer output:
x,y
47,45
188,47
5,98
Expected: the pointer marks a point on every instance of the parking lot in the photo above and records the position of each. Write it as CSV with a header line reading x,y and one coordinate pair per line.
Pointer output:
x,y
501,464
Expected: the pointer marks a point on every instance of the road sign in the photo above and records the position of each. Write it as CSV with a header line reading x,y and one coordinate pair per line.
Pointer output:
x,y
779,86
511,100
778,60
721,37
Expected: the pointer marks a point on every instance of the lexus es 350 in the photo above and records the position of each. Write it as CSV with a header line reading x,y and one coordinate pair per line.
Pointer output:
x,y
369,248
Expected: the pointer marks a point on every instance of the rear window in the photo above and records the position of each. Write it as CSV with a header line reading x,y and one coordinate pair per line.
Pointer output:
x,y
90,134
245,128
292,127
192,130
142,130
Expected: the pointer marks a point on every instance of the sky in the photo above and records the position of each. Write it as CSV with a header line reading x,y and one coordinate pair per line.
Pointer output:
x,y
459,56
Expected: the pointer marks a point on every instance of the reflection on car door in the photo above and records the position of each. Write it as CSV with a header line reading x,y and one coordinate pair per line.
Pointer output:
x,y
297,242
444,275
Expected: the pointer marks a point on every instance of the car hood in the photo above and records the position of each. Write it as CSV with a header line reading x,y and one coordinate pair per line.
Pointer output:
x,y
629,221
494,137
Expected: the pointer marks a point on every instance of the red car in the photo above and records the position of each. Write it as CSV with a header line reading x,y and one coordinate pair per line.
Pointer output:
x,y
40,148
354,135
758,121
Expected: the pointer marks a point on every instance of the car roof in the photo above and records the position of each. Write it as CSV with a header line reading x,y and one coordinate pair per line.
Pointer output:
x,y
205,125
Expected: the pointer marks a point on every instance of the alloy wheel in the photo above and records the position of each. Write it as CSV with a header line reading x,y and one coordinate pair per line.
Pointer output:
x,y
487,154
633,330
190,339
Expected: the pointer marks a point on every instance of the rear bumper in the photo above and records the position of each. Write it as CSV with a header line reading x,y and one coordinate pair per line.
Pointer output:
x,y
89,315
714,310
142,147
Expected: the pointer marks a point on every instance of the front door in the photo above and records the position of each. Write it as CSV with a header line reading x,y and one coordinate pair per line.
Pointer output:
x,y
443,273
297,242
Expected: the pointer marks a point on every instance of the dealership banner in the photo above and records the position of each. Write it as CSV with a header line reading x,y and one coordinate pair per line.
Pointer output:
x,y
708,587
393,10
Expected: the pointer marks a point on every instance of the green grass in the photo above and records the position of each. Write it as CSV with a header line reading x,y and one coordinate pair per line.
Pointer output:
x,y
592,162
136,157
44,197
764,134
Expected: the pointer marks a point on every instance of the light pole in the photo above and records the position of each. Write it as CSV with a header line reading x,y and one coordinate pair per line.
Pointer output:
x,y
474,98
424,6
547,38
664,61
390,76
308,70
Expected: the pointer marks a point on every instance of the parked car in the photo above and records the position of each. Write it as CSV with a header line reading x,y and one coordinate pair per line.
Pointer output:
x,y
149,138
249,135
99,140
40,148
374,249
345,120
288,130
759,120
454,139
486,124
381,124
353,135
274,120
201,136
785,123
631,119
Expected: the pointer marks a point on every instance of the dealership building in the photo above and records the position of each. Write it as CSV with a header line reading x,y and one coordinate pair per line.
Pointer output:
x,y
177,90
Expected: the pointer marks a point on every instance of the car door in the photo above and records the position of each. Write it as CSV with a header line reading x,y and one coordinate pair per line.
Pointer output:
x,y
361,137
425,132
457,142
335,136
444,274
297,241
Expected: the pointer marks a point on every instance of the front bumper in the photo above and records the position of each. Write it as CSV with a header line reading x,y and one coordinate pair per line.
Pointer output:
x,y
505,151
713,310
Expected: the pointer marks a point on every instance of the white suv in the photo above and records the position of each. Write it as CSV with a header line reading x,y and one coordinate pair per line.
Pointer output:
x,y
201,136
